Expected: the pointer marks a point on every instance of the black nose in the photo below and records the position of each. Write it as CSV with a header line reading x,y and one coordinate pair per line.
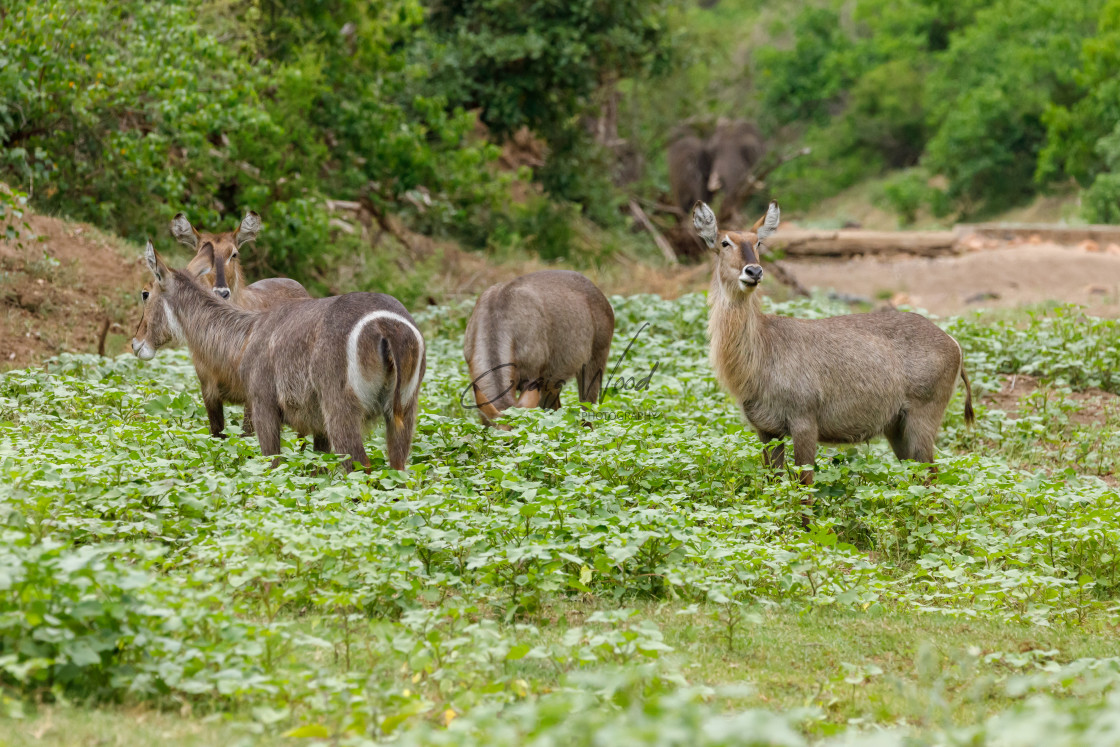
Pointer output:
x,y
223,292
754,272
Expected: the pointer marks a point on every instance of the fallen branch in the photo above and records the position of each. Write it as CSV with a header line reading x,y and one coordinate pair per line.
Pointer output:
x,y
661,207
662,244
787,278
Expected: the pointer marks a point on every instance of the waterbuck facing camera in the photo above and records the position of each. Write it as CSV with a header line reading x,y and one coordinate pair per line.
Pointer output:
x,y
844,379
217,264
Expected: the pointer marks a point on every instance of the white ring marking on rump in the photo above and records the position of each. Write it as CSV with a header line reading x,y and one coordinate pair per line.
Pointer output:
x,y
358,383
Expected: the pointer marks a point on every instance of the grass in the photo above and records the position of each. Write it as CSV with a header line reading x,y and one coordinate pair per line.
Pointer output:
x,y
645,580
844,667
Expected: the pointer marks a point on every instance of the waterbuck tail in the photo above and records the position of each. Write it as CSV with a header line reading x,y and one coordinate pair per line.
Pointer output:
x,y
404,344
969,415
400,348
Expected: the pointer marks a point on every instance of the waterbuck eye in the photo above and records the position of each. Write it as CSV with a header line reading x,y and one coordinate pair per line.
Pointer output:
x,y
144,295
726,242
233,256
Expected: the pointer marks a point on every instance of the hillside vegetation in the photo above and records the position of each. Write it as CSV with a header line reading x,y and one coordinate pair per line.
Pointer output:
x,y
123,113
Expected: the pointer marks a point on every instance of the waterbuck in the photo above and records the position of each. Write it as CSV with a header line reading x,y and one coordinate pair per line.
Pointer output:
x,y
528,336
216,264
217,261
325,366
843,379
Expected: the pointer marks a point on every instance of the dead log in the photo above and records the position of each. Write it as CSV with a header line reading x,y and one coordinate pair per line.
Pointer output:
x,y
851,243
1047,232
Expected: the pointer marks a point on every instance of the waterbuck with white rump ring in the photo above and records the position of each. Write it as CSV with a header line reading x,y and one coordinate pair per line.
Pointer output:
x,y
328,367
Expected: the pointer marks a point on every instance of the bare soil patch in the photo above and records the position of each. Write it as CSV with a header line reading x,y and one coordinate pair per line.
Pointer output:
x,y
1095,406
63,287
995,275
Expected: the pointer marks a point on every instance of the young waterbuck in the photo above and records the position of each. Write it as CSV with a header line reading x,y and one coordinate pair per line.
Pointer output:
x,y
325,366
840,380
527,337
216,264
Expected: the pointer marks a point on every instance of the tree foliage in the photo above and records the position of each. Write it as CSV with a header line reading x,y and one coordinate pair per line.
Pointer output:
x,y
124,113
536,63
1000,97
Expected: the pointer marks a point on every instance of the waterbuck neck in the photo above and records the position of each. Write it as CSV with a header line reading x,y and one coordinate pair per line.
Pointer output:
x,y
215,331
736,326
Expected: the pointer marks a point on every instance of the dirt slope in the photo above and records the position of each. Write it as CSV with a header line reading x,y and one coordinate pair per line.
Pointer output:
x,y
61,287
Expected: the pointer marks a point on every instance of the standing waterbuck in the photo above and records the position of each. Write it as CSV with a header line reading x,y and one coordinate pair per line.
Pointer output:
x,y
325,366
843,379
216,264
528,336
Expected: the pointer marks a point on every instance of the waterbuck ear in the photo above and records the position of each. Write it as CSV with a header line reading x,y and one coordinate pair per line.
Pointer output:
x,y
249,228
155,264
183,232
768,224
705,222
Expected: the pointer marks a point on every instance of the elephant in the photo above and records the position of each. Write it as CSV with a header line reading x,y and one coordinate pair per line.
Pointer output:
x,y
723,163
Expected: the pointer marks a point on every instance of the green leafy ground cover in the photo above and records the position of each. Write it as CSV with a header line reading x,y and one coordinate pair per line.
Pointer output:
x,y
643,580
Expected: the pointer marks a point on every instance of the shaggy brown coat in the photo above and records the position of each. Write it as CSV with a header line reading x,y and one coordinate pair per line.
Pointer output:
x,y
217,265
528,336
843,379
327,367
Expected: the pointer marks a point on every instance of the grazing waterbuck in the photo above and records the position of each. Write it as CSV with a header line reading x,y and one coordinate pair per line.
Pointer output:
x,y
842,379
528,336
327,367
216,264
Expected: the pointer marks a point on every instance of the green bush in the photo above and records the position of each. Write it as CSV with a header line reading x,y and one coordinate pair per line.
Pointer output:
x,y
125,113
1102,199
908,192
986,93
539,65
802,83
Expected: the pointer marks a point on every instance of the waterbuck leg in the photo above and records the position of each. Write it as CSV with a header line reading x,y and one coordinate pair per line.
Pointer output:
x,y
550,396
896,437
214,411
805,456
590,377
920,434
345,434
493,392
399,430
268,429
530,398
774,456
